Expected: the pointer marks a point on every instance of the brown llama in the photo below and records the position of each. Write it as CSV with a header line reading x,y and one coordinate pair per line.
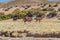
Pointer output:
x,y
39,18
27,19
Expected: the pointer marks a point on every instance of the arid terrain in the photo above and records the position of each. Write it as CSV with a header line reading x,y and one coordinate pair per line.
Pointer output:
x,y
45,26
30,19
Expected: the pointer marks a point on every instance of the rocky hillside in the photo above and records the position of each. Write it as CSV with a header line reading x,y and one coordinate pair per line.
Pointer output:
x,y
22,2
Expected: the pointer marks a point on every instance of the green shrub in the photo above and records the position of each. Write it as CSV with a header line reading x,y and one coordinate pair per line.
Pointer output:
x,y
1,15
19,14
4,17
16,11
9,16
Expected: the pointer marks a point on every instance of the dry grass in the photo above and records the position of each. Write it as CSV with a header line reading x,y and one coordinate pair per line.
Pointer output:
x,y
46,25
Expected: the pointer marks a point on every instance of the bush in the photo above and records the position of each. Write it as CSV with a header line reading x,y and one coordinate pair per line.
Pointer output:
x,y
4,17
34,10
50,5
50,9
51,14
40,14
45,9
9,16
19,14
56,5
58,9
1,15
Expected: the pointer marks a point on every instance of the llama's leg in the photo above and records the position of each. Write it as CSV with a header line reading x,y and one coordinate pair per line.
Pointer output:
x,y
24,22
39,20
36,20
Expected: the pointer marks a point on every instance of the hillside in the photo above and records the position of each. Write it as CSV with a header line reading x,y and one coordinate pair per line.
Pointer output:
x,y
30,18
22,2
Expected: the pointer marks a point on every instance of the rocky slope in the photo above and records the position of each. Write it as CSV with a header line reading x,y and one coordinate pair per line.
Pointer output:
x,y
22,2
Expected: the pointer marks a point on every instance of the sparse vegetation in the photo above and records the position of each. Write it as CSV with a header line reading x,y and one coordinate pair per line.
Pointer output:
x,y
21,14
4,17
33,14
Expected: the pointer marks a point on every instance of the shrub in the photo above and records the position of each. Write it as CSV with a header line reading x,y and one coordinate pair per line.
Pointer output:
x,y
16,11
4,17
9,16
40,14
19,14
56,5
50,5
34,10
51,14
1,15
45,9
50,9
58,9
